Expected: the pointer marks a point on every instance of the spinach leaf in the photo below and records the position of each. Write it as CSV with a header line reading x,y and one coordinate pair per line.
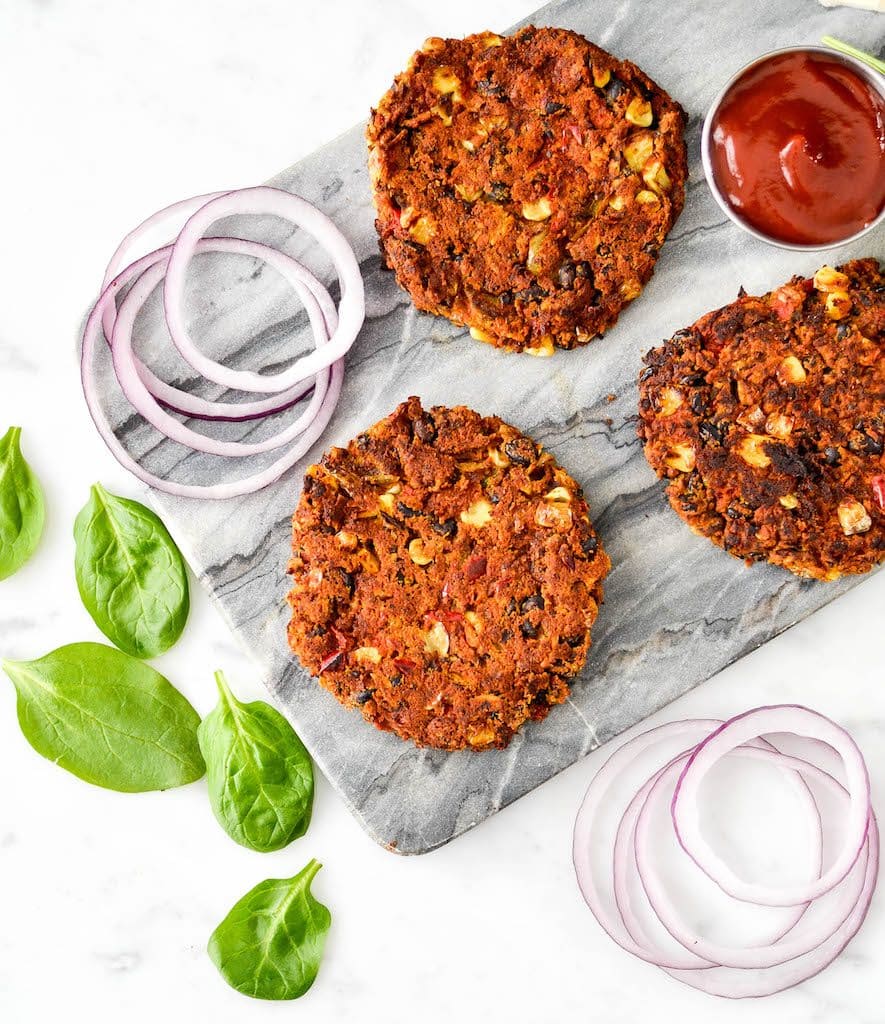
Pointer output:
x,y
259,773
130,574
107,718
22,510
271,943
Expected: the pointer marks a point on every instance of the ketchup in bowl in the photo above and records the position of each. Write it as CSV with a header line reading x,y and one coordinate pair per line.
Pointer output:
x,y
797,148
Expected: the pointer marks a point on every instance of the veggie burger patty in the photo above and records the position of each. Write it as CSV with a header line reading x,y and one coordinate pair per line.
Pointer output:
x,y
768,419
445,577
524,185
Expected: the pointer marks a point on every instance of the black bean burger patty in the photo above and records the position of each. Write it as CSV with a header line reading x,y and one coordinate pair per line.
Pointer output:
x,y
524,185
767,417
445,577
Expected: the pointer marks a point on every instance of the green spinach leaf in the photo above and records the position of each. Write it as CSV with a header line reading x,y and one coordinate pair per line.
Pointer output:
x,y
130,574
271,943
22,510
107,718
259,773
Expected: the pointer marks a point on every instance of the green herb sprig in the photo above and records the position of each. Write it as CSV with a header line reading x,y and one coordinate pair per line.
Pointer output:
x,y
852,51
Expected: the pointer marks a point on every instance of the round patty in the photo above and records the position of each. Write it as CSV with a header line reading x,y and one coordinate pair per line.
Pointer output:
x,y
524,185
446,576
768,419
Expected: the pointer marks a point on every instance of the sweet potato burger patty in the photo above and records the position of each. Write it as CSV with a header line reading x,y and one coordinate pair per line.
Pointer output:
x,y
768,419
524,185
445,577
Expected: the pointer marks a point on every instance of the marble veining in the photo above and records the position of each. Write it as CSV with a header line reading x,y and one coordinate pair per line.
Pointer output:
x,y
676,608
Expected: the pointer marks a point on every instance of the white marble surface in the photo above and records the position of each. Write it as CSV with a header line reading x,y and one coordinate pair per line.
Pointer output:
x,y
108,899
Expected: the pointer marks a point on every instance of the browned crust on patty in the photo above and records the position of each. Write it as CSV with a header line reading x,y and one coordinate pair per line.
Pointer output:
x,y
445,577
768,418
479,138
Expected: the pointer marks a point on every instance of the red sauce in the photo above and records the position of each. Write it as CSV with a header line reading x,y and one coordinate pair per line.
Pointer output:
x,y
798,149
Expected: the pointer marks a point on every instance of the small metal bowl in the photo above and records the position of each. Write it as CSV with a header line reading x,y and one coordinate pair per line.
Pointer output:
x,y
868,74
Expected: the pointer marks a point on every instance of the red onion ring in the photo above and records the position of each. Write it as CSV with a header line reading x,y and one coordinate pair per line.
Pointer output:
x,y
91,336
757,969
173,398
731,984
334,331
312,295
119,260
778,718
766,954
627,851
265,200
615,925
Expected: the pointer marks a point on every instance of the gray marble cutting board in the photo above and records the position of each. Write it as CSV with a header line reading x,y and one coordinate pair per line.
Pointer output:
x,y
676,608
